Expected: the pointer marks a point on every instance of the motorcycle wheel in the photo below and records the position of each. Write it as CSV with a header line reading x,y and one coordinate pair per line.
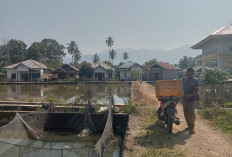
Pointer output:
x,y
170,124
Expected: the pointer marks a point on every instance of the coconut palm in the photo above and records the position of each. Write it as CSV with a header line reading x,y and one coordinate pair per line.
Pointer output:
x,y
109,42
96,58
125,56
74,51
112,55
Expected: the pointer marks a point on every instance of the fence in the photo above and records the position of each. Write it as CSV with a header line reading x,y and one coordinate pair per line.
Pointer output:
x,y
216,94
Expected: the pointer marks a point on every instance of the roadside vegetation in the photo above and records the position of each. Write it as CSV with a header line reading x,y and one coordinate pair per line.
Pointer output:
x,y
221,117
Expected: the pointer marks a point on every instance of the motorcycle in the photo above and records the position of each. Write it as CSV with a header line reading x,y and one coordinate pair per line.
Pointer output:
x,y
167,112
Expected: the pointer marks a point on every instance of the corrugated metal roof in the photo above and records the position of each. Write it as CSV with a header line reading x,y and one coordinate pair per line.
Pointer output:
x,y
224,31
126,65
103,65
32,64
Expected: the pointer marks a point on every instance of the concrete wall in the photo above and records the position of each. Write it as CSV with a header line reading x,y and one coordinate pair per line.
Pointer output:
x,y
219,49
135,73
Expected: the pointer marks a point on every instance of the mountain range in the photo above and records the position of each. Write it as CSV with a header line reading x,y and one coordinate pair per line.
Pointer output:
x,y
143,55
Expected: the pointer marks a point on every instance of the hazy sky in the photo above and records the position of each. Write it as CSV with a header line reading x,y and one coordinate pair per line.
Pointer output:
x,y
133,24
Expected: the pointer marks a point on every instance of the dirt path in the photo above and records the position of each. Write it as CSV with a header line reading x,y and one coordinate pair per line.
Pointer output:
x,y
207,141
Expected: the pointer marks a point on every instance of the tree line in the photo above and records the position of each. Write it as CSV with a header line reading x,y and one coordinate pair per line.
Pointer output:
x,y
48,52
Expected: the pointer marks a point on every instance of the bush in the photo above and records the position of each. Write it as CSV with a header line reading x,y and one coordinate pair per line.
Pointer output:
x,y
213,76
131,108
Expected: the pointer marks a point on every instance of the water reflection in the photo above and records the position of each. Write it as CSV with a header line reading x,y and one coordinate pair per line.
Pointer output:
x,y
64,93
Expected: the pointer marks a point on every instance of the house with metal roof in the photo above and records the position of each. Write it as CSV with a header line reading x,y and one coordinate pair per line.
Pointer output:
x,y
130,71
162,71
28,70
66,72
102,71
217,47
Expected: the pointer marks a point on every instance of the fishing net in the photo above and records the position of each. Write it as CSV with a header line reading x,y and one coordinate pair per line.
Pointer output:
x,y
106,144
24,137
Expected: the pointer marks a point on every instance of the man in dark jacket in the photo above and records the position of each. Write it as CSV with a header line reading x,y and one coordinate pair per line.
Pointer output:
x,y
191,87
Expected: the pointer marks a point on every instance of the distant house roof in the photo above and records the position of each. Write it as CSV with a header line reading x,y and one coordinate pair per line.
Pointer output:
x,y
66,67
197,69
101,64
224,31
31,64
128,65
164,66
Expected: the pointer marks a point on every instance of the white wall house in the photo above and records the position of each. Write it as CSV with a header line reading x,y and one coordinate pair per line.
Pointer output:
x,y
102,71
217,47
130,71
28,70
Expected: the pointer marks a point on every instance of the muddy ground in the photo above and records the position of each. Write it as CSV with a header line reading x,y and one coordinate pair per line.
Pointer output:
x,y
207,141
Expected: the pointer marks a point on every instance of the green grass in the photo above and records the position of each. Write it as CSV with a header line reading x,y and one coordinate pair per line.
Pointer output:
x,y
131,108
222,118
156,139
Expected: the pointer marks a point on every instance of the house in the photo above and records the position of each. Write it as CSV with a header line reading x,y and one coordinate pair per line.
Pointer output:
x,y
28,70
162,71
130,71
217,47
102,71
66,72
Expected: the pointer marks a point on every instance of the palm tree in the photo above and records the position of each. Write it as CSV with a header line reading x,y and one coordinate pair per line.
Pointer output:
x,y
96,58
112,55
76,56
72,46
125,56
109,42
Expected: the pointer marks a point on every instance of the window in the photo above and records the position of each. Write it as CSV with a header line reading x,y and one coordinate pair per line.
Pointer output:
x,y
13,76
124,74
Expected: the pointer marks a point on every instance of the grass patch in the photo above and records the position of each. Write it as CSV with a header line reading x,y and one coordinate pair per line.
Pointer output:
x,y
222,118
155,138
131,108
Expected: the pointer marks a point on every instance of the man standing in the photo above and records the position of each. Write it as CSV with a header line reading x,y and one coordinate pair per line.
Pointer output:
x,y
191,87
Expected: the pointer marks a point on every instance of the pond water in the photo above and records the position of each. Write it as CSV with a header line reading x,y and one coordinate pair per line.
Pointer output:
x,y
54,144
66,93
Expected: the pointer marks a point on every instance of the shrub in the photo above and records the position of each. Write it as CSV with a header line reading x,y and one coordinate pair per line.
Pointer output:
x,y
131,108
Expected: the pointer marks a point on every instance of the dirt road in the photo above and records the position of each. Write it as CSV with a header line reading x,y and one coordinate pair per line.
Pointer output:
x,y
207,141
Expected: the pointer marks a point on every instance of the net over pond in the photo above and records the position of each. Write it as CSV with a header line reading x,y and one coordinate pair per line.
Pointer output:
x,y
42,134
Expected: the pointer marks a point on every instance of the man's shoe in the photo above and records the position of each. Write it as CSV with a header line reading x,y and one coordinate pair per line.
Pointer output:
x,y
192,131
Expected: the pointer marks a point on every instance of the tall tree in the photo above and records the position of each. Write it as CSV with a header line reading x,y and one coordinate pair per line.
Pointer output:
x,y
4,59
74,52
16,51
186,62
150,63
125,56
109,42
112,55
36,51
55,52
96,58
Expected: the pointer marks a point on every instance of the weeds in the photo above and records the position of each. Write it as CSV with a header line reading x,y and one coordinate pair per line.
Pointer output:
x,y
131,108
220,117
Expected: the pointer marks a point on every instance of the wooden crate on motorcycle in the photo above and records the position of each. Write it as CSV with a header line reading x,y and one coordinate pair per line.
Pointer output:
x,y
167,88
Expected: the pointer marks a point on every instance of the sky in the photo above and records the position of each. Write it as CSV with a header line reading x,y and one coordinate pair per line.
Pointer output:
x,y
136,24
